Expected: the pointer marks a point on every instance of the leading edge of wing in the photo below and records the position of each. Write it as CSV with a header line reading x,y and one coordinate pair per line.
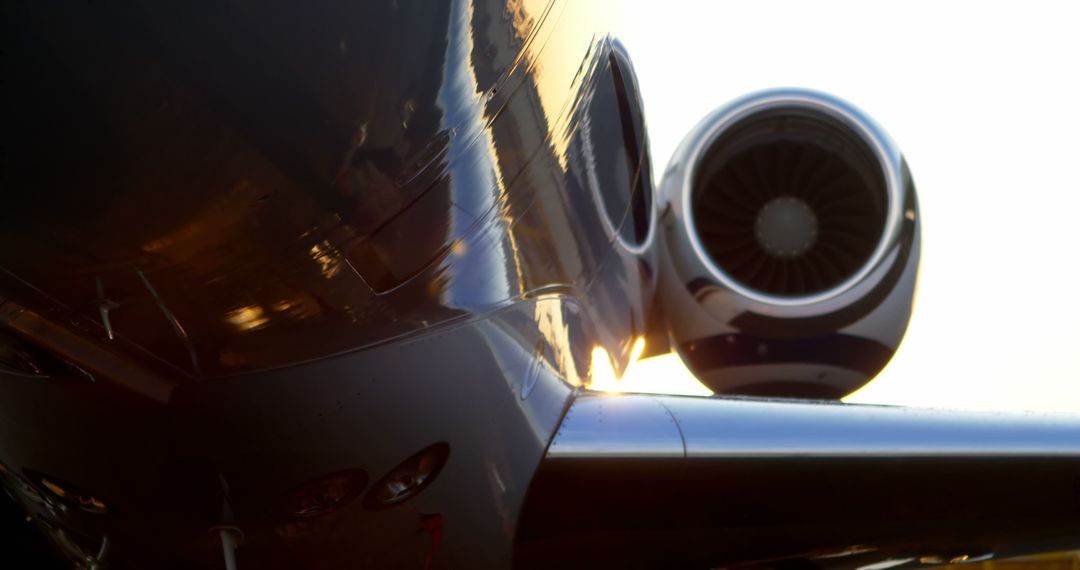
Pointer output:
x,y
645,481
638,425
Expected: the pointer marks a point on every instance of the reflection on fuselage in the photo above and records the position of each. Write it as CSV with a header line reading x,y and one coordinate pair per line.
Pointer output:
x,y
326,239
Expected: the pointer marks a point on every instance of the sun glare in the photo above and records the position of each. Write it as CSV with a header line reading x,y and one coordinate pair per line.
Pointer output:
x,y
662,374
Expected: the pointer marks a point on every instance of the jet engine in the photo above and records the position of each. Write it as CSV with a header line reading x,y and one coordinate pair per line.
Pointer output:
x,y
792,246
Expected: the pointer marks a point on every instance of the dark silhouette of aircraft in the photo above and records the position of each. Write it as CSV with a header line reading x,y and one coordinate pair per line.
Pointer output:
x,y
325,286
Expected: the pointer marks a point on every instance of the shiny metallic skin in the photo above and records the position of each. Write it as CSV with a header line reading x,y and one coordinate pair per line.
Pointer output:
x,y
614,426
648,426
244,247
752,482
798,345
156,466
454,176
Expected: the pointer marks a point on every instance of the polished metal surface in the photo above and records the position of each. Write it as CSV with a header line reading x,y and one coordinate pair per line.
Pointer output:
x,y
797,484
639,425
617,426
755,429
267,244
241,203
327,286
157,467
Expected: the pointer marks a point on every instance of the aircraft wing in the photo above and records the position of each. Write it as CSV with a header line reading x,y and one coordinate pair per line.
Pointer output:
x,y
667,481
326,286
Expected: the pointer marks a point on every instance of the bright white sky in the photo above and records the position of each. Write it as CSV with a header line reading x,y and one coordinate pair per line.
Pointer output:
x,y
984,100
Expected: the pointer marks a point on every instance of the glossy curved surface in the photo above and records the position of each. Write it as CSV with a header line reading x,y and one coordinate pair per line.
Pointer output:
x,y
666,426
224,453
617,426
244,247
765,483
241,202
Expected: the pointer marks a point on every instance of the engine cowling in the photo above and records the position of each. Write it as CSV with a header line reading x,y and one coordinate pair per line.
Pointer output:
x,y
791,231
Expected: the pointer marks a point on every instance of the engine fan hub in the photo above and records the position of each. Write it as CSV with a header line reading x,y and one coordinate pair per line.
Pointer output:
x,y
790,204
786,227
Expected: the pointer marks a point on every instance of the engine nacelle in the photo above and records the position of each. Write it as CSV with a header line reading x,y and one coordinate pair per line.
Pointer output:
x,y
792,246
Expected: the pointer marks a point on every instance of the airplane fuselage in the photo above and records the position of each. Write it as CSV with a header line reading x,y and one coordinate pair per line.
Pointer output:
x,y
246,247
